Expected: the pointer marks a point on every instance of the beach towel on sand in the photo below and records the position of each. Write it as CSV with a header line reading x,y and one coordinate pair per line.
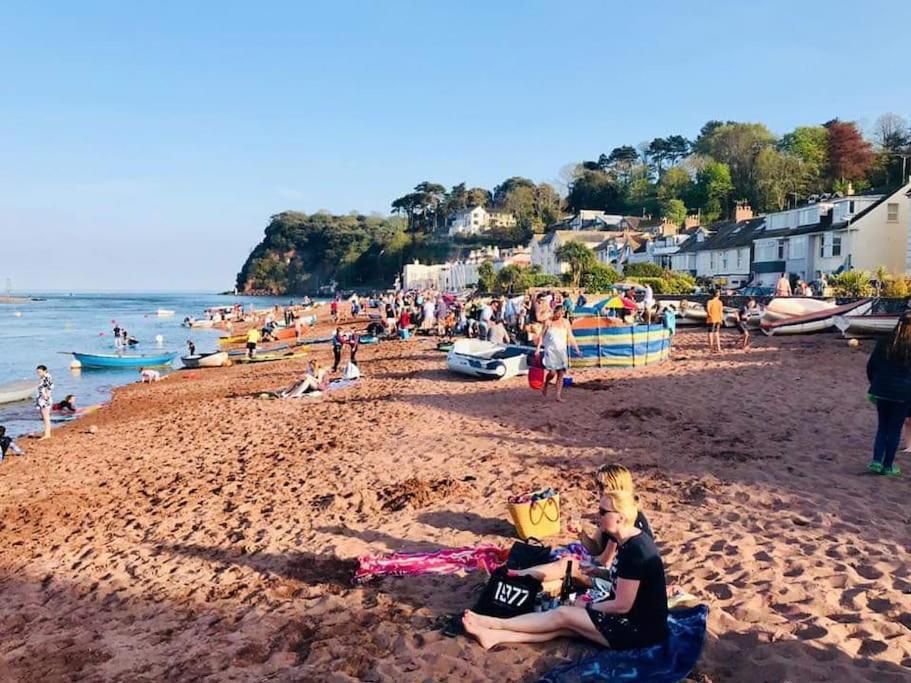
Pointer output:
x,y
448,561
667,663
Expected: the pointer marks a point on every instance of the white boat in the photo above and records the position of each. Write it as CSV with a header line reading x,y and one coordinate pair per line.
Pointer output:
x,y
205,360
18,391
686,312
815,322
854,326
201,323
786,307
164,313
484,359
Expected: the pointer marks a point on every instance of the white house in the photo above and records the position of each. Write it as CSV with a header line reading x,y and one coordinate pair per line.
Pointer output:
x,y
860,232
468,221
617,250
544,248
661,249
722,253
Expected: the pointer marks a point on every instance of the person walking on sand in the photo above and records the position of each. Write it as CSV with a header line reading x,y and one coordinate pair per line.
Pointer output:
x,y
889,373
253,337
43,400
338,342
783,288
714,318
556,337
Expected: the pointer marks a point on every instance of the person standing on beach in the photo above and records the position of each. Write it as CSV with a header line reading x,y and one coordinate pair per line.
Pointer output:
x,y
747,311
889,373
253,337
783,288
714,318
191,347
338,342
556,337
43,400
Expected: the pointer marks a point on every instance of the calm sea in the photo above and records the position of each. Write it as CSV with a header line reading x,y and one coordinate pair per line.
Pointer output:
x,y
34,332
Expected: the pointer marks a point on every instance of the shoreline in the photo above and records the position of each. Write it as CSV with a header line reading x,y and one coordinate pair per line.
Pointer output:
x,y
202,532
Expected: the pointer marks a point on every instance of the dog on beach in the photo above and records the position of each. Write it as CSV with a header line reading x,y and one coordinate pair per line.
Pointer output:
x,y
149,376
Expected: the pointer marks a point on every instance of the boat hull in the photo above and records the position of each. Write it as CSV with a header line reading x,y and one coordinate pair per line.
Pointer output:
x,y
858,326
17,391
486,360
208,360
93,360
820,321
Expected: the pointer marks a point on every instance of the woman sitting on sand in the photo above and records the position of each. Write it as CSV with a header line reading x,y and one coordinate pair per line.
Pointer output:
x,y
314,380
635,613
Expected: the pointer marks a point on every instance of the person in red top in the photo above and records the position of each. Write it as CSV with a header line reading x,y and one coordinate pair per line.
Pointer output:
x,y
333,310
405,320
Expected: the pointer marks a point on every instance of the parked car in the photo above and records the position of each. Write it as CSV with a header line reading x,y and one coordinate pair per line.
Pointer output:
x,y
755,291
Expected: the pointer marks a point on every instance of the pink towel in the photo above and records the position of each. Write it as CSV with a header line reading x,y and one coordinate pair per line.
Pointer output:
x,y
449,561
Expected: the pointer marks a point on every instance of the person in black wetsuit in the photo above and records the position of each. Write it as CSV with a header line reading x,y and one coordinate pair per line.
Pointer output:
x,y
7,444
634,615
67,405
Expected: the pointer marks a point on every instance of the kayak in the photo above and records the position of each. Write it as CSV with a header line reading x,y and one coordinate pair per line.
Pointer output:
x,y
271,357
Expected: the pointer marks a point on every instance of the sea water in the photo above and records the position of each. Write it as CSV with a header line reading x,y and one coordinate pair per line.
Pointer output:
x,y
43,332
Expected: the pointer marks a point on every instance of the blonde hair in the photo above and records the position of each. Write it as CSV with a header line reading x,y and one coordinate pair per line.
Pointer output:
x,y
612,477
625,503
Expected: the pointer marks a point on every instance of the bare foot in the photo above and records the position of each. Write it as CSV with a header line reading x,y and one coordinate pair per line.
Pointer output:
x,y
560,399
42,438
480,620
486,637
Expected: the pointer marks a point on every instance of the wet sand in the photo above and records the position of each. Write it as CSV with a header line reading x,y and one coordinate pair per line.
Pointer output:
x,y
203,534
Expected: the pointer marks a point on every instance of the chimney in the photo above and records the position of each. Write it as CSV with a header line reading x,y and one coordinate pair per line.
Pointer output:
x,y
691,222
742,212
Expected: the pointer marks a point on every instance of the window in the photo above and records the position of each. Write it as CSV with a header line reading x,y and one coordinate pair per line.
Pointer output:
x,y
797,248
836,246
739,258
724,261
781,250
892,212
851,206
822,246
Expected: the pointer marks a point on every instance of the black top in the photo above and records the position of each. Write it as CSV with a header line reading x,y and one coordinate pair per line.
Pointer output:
x,y
638,560
888,380
5,442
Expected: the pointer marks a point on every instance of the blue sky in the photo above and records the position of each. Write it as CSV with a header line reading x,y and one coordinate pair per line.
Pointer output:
x,y
145,145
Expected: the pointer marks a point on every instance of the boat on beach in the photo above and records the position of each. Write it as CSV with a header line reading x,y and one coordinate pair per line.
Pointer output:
x,y
205,360
784,308
272,357
110,360
820,321
858,326
487,360
21,390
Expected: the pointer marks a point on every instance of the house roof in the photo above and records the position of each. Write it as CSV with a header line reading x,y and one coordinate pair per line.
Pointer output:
x,y
725,235
826,224
590,237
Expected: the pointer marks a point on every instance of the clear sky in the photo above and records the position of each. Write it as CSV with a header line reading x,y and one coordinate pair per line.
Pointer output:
x,y
145,145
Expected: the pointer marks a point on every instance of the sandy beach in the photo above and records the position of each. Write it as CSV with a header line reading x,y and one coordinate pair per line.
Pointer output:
x,y
204,534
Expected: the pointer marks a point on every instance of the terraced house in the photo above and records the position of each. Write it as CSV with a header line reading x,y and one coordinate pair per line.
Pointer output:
x,y
858,232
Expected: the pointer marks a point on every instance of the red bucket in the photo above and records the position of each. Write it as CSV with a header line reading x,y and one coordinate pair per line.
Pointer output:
x,y
536,377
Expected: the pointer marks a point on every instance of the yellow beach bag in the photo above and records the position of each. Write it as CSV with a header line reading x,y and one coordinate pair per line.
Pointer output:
x,y
537,518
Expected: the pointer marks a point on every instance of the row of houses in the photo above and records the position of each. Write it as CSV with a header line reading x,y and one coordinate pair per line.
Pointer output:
x,y
461,274
857,232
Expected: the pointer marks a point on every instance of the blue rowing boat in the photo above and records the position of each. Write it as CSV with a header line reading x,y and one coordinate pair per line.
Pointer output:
x,y
110,360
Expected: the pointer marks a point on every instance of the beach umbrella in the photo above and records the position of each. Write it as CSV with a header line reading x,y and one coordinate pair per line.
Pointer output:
x,y
614,302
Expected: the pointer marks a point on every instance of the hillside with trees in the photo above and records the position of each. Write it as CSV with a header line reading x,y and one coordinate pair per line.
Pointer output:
x,y
672,177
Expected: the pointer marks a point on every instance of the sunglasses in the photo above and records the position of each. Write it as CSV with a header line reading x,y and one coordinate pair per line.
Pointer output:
x,y
602,511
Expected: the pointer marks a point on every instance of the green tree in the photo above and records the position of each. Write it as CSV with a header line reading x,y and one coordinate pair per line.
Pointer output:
x,y
778,176
487,278
713,190
674,210
599,278
578,256
810,144
643,270
738,145
676,183
594,190
513,278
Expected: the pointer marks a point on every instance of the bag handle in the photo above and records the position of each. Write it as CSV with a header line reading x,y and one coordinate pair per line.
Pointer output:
x,y
552,503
